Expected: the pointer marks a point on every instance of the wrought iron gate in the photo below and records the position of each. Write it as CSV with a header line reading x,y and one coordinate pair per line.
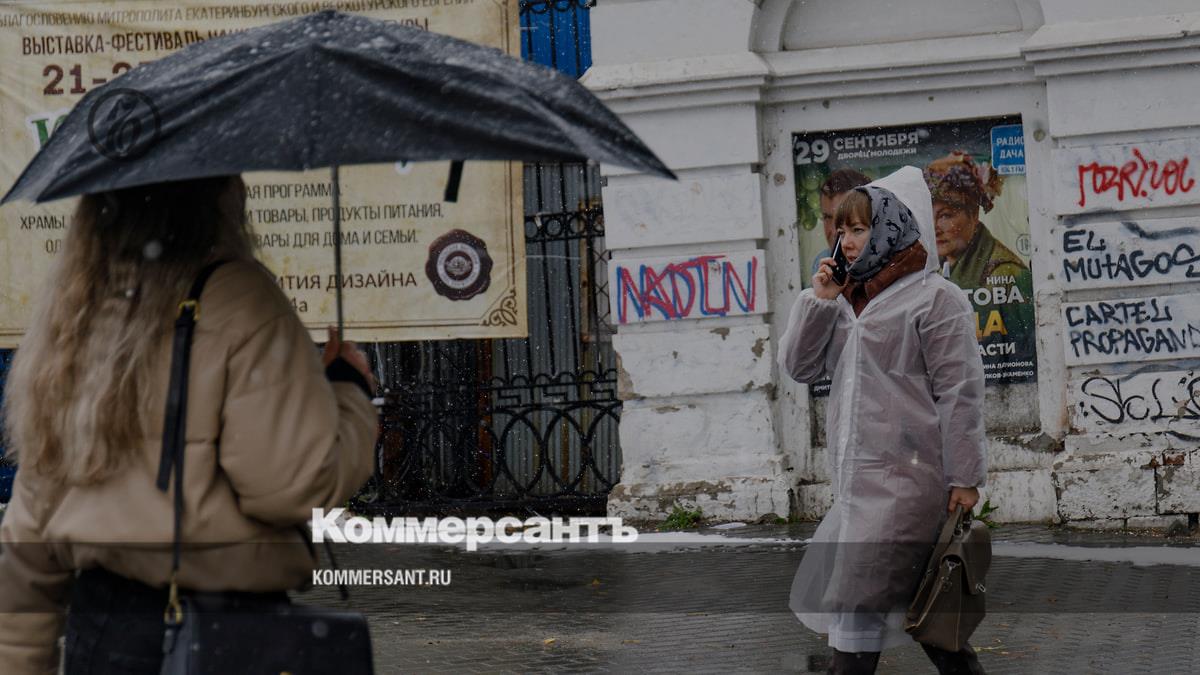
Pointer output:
x,y
521,423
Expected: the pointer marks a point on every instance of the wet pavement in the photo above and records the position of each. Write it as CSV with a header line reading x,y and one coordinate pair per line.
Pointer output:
x,y
722,608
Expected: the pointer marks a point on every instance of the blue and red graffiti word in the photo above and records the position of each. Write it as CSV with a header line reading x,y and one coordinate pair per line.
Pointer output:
x,y
704,286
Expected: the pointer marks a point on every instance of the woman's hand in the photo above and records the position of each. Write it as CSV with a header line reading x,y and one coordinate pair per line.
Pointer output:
x,y
350,353
823,285
966,497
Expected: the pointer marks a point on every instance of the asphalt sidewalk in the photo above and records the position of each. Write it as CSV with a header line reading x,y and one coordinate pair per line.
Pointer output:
x,y
1060,601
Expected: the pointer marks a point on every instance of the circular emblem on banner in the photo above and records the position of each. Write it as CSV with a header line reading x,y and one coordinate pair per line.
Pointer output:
x,y
123,124
459,265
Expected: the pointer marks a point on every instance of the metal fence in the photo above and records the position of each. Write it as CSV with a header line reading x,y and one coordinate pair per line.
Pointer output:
x,y
529,423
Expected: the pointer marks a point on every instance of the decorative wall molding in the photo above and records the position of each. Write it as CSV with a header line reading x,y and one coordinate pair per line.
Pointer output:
x,y
1081,47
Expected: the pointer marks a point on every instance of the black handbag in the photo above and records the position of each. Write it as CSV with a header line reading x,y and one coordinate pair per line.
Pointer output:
x,y
951,599
220,633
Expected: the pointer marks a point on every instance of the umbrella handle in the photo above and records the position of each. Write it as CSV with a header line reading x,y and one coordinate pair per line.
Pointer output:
x,y
337,249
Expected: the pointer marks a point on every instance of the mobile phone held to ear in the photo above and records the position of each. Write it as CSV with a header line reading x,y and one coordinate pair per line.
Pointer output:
x,y
840,264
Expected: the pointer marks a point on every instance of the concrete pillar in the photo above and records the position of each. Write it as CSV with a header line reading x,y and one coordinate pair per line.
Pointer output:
x,y
696,368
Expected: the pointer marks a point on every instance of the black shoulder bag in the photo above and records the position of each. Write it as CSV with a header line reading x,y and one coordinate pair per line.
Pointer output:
x,y
219,633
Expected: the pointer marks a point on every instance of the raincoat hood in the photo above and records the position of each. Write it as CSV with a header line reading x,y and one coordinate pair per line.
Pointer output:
x,y
908,185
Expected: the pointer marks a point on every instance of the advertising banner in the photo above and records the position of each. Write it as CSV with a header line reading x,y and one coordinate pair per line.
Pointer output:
x,y
415,267
976,171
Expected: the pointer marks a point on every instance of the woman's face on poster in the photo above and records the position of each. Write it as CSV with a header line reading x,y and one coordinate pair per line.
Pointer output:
x,y
829,206
954,226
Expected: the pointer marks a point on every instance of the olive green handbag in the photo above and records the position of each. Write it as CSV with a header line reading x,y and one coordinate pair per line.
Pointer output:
x,y
950,600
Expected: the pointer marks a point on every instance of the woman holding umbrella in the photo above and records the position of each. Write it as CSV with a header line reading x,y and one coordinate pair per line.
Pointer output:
x,y
273,431
85,406
905,424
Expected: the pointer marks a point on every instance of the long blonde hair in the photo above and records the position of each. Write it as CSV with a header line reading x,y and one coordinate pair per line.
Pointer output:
x,y
76,401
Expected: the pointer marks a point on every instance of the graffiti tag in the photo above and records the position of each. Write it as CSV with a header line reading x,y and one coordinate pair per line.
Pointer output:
x,y
1144,402
1111,331
668,289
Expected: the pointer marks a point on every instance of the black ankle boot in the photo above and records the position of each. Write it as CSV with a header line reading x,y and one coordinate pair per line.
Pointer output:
x,y
961,662
854,663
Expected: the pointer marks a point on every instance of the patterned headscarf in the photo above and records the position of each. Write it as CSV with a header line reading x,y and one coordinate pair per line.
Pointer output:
x,y
957,176
893,229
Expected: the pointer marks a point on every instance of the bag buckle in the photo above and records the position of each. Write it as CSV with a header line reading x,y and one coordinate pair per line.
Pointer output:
x,y
193,305
173,614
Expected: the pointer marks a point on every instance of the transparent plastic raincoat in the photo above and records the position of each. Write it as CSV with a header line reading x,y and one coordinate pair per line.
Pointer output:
x,y
904,424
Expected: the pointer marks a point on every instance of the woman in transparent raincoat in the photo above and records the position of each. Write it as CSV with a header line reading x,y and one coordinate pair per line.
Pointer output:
x,y
905,436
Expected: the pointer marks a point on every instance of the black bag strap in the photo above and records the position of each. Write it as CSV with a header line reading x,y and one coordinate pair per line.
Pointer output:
x,y
175,434
306,537
175,423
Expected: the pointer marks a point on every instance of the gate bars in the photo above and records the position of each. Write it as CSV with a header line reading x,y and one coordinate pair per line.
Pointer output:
x,y
516,424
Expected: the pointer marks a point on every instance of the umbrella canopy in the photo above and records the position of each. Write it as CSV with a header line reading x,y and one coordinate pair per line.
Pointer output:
x,y
325,89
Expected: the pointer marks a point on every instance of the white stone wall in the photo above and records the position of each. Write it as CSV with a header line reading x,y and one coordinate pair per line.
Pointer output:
x,y
1116,82
717,88
697,425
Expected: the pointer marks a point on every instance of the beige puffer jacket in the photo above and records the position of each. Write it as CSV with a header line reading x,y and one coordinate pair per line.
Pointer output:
x,y
268,439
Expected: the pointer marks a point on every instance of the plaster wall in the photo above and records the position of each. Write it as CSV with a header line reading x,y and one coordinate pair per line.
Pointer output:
x,y
718,87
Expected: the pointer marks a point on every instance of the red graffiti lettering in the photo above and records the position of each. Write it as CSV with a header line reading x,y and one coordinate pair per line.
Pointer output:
x,y
627,290
1136,178
653,295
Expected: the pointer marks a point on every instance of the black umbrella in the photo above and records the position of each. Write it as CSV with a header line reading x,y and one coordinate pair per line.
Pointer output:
x,y
326,89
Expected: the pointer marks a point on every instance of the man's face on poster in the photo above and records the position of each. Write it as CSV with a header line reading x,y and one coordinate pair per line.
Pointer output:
x,y
954,225
829,206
